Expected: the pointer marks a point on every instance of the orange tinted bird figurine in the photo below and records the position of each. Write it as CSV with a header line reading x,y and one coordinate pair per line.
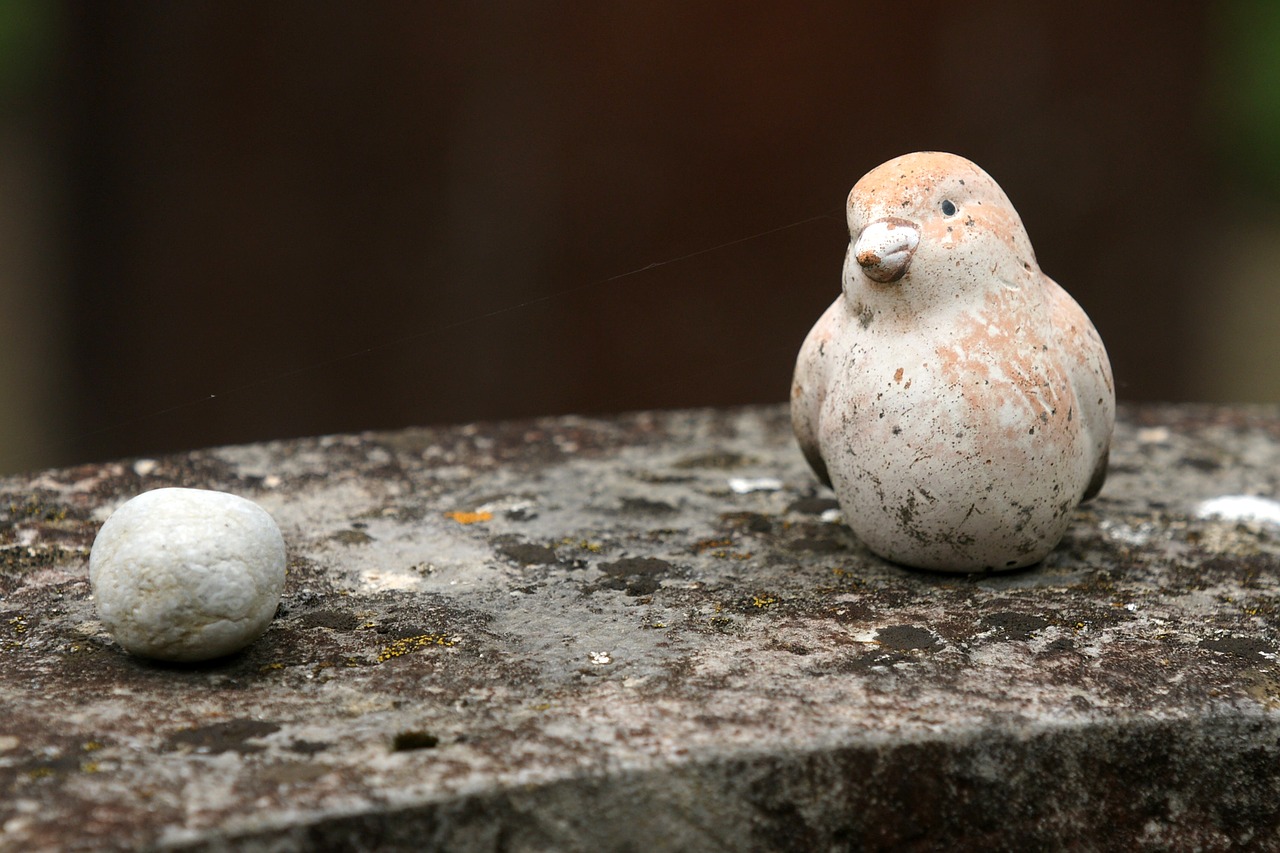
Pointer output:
x,y
957,400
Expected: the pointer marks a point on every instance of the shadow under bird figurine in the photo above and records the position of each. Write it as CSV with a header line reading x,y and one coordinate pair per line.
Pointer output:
x,y
957,400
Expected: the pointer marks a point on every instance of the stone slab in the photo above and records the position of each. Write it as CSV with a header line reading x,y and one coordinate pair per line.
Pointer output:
x,y
650,632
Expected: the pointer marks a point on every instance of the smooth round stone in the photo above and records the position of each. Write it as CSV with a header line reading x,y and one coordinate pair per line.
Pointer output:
x,y
187,574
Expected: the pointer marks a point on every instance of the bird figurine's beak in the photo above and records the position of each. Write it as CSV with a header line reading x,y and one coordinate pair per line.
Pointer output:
x,y
885,247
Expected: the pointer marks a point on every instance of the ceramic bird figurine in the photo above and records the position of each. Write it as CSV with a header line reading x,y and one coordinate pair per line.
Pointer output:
x,y
957,400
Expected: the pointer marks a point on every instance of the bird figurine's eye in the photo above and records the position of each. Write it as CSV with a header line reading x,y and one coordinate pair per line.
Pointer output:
x,y
948,208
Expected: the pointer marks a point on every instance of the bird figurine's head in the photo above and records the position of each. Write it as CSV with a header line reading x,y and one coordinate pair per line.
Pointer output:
x,y
929,226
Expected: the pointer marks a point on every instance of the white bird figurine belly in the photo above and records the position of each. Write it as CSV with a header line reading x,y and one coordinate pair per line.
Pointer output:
x,y
957,400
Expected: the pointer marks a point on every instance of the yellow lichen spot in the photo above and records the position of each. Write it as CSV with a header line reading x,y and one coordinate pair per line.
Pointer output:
x,y
40,773
582,544
469,517
35,509
730,555
412,644
271,666
90,767
763,601
542,706
849,577
91,746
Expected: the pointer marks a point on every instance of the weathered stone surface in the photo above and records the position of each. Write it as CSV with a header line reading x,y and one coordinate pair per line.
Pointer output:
x,y
572,634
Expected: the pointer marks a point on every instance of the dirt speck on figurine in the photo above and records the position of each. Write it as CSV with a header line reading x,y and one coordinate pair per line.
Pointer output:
x,y
958,401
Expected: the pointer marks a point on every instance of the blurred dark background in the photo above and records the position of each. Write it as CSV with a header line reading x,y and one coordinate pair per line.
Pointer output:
x,y
229,221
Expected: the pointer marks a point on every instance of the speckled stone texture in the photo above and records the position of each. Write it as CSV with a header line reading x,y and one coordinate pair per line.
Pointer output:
x,y
576,634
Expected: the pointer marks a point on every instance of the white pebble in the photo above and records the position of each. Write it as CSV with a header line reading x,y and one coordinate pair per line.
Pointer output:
x,y
187,574
1240,508
747,485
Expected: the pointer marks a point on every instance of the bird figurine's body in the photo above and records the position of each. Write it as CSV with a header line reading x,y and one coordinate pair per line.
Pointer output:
x,y
957,400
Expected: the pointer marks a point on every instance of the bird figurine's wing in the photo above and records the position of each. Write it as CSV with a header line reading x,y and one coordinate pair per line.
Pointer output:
x,y
811,382
1089,369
